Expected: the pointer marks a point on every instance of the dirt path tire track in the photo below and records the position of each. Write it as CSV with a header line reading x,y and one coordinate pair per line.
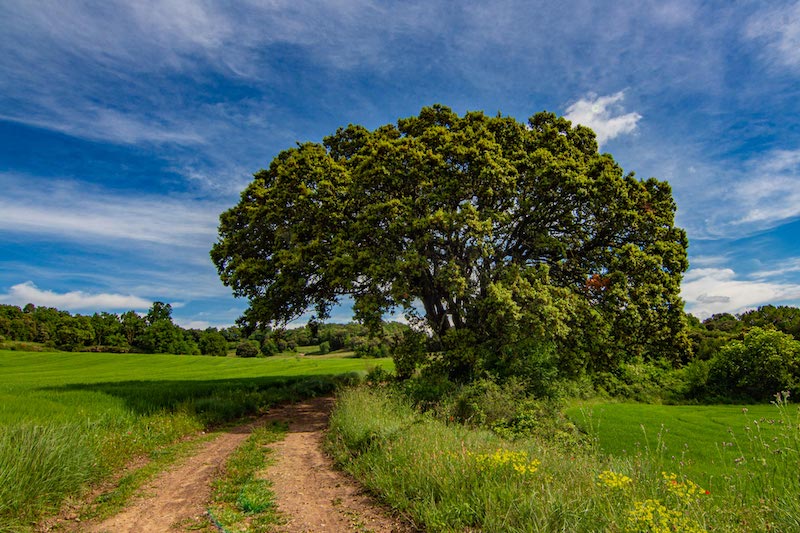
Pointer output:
x,y
312,495
178,494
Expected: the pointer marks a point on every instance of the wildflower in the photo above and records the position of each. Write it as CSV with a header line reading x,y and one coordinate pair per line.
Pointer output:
x,y
652,515
685,490
612,480
517,462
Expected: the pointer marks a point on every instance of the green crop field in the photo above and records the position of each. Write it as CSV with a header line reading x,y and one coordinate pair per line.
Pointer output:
x,y
70,419
709,443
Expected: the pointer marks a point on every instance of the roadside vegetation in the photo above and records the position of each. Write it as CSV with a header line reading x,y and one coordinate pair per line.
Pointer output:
x,y
451,476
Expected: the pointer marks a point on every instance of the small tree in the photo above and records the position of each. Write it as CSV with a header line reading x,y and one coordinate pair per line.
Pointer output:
x,y
212,342
247,349
764,363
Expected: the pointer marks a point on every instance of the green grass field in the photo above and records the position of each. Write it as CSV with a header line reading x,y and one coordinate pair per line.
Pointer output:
x,y
712,444
70,419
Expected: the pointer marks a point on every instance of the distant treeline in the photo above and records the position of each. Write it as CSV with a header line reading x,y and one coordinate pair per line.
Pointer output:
x,y
749,356
155,332
712,333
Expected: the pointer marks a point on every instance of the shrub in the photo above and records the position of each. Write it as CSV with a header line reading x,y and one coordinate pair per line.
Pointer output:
x,y
269,347
324,348
764,362
213,343
247,349
409,353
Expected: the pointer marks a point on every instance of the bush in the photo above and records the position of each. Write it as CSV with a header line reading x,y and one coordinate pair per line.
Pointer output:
x,y
484,402
409,353
247,349
763,363
269,347
324,348
213,343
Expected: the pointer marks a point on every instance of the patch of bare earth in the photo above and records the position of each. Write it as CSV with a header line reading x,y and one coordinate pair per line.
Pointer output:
x,y
311,493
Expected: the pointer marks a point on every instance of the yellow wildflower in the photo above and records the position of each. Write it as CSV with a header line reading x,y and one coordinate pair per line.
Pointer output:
x,y
612,480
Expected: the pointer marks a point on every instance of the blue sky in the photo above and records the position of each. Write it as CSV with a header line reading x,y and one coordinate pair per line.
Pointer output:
x,y
126,128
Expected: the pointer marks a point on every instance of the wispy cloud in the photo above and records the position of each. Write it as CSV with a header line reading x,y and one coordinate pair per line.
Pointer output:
x,y
720,290
769,194
28,292
78,213
97,123
781,269
604,114
779,28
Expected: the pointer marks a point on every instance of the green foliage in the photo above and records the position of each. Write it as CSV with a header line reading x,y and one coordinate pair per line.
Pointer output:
x,y
213,342
500,231
104,332
643,382
783,318
763,363
247,349
409,353
324,348
269,347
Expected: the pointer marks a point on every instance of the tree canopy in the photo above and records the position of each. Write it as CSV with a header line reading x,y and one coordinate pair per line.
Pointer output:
x,y
494,231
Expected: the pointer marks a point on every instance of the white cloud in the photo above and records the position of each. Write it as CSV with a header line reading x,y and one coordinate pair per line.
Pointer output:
x,y
707,260
97,123
28,292
779,29
83,213
781,269
770,193
719,290
602,114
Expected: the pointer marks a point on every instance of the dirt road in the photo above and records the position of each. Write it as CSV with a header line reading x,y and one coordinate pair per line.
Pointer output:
x,y
312,495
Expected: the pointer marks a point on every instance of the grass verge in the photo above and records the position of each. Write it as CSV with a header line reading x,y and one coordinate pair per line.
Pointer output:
x,y
241,500
451,478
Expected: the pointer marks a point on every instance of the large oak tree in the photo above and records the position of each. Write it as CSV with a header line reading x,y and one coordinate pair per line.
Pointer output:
x,y
497,231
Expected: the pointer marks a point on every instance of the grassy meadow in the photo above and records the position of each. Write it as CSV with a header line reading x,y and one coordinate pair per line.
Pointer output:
x,y
70,419
708,443
448,477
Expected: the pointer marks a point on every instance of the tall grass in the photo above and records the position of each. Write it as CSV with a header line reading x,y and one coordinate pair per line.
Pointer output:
x,y
29,453
68,420
447,477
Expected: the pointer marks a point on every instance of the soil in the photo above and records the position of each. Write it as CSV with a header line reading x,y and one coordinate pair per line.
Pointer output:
x,y
312,495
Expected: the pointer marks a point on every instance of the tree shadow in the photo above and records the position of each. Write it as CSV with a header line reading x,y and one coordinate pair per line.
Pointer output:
x,y
215,401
